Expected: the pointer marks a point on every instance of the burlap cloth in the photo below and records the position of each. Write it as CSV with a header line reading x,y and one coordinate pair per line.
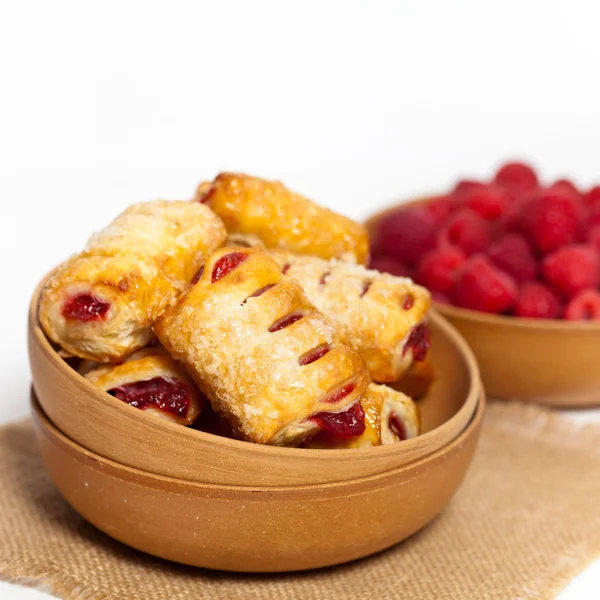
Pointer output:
x,y
525,521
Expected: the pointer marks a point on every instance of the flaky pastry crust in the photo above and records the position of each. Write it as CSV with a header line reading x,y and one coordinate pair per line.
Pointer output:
x,y
249,339
129,273
283,219
373,312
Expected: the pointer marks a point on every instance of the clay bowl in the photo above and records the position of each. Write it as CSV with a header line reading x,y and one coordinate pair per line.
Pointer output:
x,y
549,362
114,430
264,529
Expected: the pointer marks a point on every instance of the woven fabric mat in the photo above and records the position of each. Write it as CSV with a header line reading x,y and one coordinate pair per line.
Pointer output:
x,y
525,521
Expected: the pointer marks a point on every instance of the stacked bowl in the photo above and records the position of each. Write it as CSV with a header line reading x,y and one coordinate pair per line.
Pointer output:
x,y
204,500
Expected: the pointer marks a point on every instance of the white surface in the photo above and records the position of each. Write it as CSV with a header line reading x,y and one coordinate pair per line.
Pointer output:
x,y
354,104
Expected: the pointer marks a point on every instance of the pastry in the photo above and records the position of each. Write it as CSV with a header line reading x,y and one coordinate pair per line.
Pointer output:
x,y
381,316
283,219
417,380
102,303
152,381
258,349
390,417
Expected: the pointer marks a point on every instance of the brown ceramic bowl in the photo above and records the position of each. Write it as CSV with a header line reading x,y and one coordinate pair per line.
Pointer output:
x,y
108,427
550,362
265,529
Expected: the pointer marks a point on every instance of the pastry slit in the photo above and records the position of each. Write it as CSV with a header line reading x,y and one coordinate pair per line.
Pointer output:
x,y
286,321
313,355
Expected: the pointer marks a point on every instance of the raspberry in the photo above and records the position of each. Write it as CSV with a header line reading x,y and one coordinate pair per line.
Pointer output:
x,y
592,197
513,255
551,219
468,230
537,301
481,286
566,187
584,307
593,237
407,234
440,208
517,177
437,269
464,187
490,201
572,269
387,264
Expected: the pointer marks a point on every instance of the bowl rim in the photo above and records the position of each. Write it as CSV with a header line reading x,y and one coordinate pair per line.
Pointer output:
x,y
477,315
465,412
77,451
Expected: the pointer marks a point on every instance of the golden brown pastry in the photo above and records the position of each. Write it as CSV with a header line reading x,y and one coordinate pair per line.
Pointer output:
x,y
102,303
153,382
390,417
265,358
283,219
381,316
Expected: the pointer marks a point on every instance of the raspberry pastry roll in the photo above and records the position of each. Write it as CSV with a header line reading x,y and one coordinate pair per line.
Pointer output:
x,y
265,358
102,303
283,219
153,382
381,316
390,417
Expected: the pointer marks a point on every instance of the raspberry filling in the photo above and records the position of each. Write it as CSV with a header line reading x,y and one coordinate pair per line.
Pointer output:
x,y
85,308
397,427
341,393
312,355
324,277
262,290
347,424
227,263
419,342
408,302
285,268
285,322
169,396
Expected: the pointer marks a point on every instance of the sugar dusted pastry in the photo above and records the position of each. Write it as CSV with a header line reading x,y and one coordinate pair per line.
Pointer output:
x,y
390,417
381,316
265,358
283,219
153,382
102,303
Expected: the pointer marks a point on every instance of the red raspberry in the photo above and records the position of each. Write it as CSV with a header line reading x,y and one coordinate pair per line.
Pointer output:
x,y
537,301
572,269
592,197
551,219
437,269
513,255
440,208
490,201
593,237
387,264
584,307
464,187
566,187
517,177
481,286
468,230
407,233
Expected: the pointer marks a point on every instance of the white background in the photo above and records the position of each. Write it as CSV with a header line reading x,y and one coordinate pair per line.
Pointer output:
x,y
355,104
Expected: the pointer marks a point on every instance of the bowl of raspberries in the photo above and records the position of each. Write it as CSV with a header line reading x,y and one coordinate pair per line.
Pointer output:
x,y
514,264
